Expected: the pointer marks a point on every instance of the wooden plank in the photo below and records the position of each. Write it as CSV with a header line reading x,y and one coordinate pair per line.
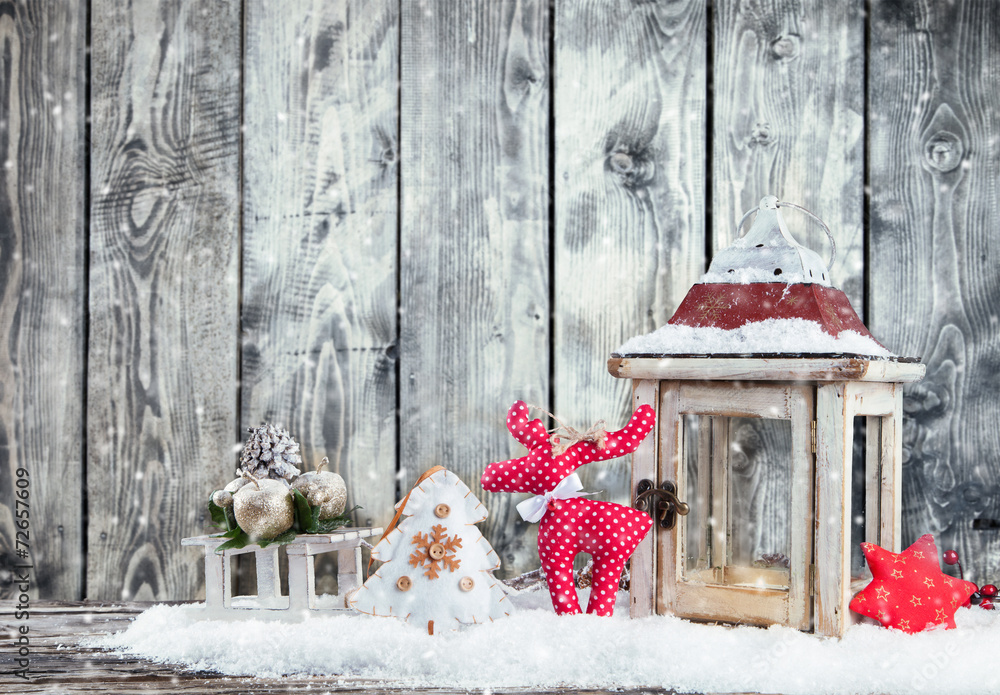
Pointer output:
x,y
934,91
670,546
642,570
320,214
474,286
891,505
42,290
832,550
163,294
801,507
733,400
764,369
789,109
630,93
737,604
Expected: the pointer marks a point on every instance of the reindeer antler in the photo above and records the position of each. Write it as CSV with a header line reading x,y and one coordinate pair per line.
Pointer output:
x,y
529,433
621,442
539,471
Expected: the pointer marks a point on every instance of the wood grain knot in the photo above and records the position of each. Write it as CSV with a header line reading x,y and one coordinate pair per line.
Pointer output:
x,y
786,47
388,156
943,151
761,135
969,497
632,170
621,163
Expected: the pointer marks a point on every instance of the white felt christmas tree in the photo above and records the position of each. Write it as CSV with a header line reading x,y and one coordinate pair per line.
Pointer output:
x,y
438,570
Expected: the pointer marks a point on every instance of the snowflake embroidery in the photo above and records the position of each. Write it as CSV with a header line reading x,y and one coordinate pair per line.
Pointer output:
x,y
438,548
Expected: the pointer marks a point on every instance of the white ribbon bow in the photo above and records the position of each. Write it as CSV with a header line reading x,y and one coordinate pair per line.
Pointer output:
x,y
533,509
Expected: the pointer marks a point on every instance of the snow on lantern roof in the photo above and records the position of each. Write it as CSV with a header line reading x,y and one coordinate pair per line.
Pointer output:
x,y
766,294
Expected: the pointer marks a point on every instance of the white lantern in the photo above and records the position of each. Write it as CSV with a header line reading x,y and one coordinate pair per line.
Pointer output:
x,y
757,436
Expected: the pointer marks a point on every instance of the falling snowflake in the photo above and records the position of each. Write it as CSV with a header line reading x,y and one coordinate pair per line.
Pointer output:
x,y
436,550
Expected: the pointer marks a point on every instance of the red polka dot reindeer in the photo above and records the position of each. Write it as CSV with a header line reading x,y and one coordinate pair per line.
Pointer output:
x,y
570,524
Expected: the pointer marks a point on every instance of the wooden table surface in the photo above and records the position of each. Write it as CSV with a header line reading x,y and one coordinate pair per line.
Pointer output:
x,y
60,665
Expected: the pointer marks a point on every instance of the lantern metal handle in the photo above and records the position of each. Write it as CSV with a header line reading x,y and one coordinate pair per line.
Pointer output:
x,y
770,200
667,506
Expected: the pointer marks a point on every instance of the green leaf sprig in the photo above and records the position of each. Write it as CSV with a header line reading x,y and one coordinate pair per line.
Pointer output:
x,y
307,521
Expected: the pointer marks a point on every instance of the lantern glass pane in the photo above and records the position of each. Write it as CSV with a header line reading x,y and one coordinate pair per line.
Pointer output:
x,y
859,499
737,484
866,499
698,493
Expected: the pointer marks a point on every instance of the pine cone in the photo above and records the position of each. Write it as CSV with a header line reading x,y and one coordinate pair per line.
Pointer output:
x,y
270,452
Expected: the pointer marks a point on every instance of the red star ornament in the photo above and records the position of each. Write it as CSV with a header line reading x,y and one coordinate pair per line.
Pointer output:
x,y
908,590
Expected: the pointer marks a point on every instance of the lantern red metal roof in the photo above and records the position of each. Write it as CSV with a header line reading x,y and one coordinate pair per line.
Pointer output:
x,y
768,275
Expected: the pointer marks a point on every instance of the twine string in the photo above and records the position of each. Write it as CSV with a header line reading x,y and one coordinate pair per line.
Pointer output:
x,y
564,436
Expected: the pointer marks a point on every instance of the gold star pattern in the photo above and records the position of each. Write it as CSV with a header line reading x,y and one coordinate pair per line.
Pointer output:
x,y
915,572
834,321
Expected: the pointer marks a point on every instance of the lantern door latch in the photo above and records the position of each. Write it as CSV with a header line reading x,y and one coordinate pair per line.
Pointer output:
x,y
661,502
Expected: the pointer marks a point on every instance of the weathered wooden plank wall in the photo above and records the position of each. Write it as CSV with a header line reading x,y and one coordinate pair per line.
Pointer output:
x,y
630,149
319,237
474,250
43,292
935,143
380,223
164,281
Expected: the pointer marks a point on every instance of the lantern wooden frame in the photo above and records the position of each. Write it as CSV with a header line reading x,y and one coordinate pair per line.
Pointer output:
x,y
830,392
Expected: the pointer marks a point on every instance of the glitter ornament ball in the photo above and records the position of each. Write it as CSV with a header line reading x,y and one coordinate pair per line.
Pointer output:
x,y
323,489
264,509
